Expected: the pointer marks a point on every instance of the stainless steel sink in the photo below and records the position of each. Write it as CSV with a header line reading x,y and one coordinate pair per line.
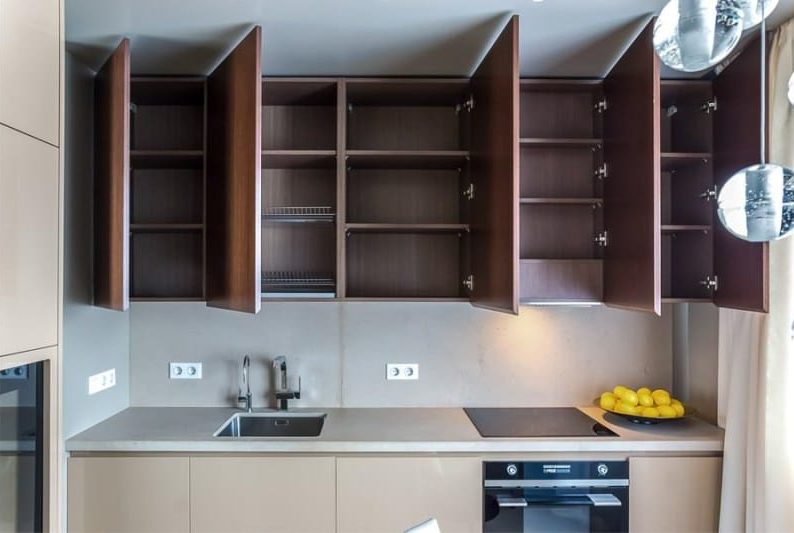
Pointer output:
x,y
272,424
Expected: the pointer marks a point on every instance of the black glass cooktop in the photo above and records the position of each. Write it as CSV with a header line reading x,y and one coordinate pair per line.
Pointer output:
x,y
520,422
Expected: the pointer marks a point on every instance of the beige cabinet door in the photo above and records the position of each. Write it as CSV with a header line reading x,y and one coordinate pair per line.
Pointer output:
x,y
30,67
128,494
28,242
674,494
259,494
392,494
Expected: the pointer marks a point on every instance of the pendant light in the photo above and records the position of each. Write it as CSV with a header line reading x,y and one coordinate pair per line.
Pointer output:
x,y
757,203
694,35
755,10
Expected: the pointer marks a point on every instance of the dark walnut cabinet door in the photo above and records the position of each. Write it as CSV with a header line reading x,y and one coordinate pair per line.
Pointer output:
x,y
632,213
233,222
494,171
112,180
741,267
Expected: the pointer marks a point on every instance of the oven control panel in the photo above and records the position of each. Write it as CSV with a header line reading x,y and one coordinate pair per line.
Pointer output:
x,y
529,470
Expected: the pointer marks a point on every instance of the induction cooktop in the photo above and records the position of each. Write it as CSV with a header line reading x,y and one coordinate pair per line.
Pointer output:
x,y
521,422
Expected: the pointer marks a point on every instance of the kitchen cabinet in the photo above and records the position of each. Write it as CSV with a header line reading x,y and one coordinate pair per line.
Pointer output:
x,y
395,493
29,228
129,494
592,236
674,494
30,66
285,494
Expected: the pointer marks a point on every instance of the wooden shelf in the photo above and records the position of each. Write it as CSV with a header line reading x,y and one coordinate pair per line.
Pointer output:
x,y
674,228
560,84
166,158
406,228
675,160
166,299
424,159
386,299
298,158
165,228
561,201
547,142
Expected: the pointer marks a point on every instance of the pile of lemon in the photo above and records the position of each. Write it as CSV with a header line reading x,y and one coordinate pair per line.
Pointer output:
x,y
642,402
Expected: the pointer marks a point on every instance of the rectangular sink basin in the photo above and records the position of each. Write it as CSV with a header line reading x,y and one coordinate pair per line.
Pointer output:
x,y
272,424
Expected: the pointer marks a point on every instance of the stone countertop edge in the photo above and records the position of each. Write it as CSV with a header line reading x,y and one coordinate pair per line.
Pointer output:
x,y
378,430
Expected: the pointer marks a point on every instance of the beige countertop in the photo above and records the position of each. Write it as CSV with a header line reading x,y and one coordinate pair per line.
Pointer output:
x,y
377,430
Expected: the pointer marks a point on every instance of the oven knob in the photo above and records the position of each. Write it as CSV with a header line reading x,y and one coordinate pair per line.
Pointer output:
x,y
603,469
512,470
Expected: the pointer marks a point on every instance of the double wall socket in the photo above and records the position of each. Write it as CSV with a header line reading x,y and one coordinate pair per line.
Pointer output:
x,y
184,371
402,371
103,380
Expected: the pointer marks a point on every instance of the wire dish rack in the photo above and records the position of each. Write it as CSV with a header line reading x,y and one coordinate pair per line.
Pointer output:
x,y
297,282
299,214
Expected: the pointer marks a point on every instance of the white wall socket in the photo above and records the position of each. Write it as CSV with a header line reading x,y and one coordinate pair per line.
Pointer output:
x,y
184,371
103,380
402,371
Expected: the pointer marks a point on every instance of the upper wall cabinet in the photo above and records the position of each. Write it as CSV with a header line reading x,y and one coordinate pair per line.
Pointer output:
x,y
234,152
30,67
709,130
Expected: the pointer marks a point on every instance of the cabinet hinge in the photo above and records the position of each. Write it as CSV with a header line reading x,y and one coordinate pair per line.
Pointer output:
x,y
467,105
710,106
601,105
469,282
670,111
602,171
712,283
133,108
709,194
468,192
602,239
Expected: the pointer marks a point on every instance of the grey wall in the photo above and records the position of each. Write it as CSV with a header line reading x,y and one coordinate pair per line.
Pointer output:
x,y
467,356
94,339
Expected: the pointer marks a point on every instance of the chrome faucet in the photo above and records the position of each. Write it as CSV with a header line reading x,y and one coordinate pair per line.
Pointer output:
x,y
282,392
247,384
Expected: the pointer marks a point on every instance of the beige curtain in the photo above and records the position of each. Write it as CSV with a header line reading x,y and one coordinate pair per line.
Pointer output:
x,y
757,360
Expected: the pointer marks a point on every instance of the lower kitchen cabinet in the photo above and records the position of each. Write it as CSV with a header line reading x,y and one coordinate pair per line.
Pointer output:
x,y
395,493
129,494
283,494
674,494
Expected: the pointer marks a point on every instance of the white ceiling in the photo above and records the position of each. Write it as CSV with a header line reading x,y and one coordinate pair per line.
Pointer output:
x,y
362,37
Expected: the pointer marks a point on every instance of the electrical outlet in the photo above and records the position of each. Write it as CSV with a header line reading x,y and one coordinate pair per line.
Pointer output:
x,y
19,372
184,371
402,371
103,380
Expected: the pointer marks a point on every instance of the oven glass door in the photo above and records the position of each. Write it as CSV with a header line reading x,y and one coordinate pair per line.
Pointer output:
x,y
556,510
21,448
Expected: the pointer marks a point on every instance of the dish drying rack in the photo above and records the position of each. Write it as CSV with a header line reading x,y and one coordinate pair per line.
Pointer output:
x,y
285,284
299,214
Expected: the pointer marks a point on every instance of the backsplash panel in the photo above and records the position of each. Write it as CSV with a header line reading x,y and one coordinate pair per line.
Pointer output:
x,y
466,356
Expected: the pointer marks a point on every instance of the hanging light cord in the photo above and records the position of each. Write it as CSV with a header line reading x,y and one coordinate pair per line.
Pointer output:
x,y
763,82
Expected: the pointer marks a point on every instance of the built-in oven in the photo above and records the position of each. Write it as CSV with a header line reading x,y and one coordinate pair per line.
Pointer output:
x,y
22,459
554,496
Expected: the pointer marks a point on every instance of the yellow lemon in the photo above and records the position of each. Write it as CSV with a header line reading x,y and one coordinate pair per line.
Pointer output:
x,y
644,390
673,401
661,397
665,411
623,407
650,412
607,403
646,400
618,390
629,396
679,409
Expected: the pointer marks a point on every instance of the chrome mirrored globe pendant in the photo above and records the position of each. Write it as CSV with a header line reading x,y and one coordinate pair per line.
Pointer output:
x,y
694,35
757,203
755,10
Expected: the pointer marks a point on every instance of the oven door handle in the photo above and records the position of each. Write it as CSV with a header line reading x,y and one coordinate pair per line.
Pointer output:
x,y
595,500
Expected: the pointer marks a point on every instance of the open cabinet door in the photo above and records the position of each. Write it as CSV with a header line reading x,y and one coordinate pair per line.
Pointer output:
x,y
741,267
234,114
494,171
632,211
112,181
